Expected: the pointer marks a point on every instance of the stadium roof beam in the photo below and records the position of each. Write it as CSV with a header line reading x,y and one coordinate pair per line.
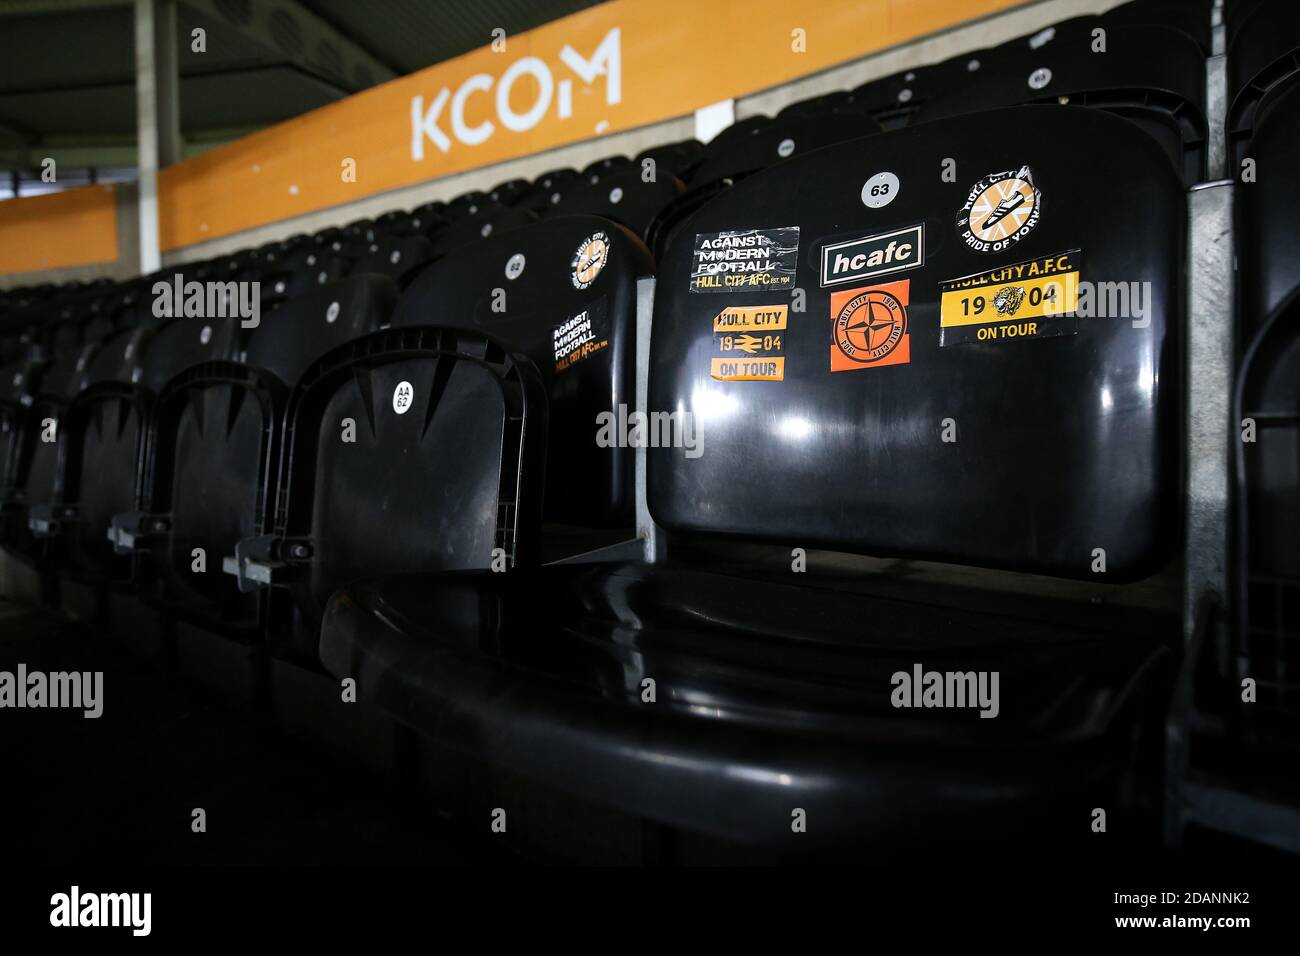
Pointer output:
x,y
305,39
14,8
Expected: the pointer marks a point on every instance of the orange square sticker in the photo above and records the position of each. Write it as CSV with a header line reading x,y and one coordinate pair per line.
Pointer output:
x,y
869,327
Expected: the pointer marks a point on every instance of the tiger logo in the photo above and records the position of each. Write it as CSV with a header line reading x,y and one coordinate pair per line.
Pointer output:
x,y
1008,299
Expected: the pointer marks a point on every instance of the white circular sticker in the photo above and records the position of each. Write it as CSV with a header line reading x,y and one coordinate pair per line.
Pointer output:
x,y
515,266
395,257
785,148
486,230
279,287
972,66
473,210
1000,210
1040,78
205,336
616,194
589,260
18,379
904,96
332,312
879,190
402,397
555,198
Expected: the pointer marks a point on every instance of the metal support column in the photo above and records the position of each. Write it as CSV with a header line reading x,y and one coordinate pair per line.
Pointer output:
x,y
157,114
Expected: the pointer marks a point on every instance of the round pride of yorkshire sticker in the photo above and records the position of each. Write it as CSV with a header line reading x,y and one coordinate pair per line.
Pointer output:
x,y
1001,209
590,258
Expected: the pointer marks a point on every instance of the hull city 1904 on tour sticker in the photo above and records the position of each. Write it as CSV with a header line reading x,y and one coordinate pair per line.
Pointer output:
x,y
757,260
749,343
1025,300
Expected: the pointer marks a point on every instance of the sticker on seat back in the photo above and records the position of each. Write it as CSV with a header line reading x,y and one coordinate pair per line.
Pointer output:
x,y
1000,210
581,335
869,327
1026,300
749,343
757,260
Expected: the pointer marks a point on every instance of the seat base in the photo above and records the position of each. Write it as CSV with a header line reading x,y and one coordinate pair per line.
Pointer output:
x,y
724,704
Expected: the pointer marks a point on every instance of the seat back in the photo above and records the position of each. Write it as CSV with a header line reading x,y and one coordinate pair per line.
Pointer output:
x,y
109,429
1266,540
875,359
562,292
1263,64
411,449
622,195
1164,93
1267,245
212,478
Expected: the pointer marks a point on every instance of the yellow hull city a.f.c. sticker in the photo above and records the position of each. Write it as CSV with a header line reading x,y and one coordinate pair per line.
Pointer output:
x,y
749,343
1026,300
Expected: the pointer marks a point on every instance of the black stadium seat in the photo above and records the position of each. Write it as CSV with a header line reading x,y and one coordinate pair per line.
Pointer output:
x,y
886,376
507,192
1263,63
466,204
1190,17
1165,95
672,159
108,431
775,142
729,158
837,101
212,479
543,189
894,100
1266,561
623,196
562,292
35,473
300,272
398,258
446,487
476,222
19,382
601,168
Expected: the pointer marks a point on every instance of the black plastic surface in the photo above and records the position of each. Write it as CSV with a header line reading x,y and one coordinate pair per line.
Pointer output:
x,y
586,485
1059,445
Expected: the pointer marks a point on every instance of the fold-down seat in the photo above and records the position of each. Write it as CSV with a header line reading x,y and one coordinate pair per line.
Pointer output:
x,y
852,352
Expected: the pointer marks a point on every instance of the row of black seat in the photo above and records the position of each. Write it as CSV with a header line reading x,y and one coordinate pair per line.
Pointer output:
x,y
322,460
376,478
